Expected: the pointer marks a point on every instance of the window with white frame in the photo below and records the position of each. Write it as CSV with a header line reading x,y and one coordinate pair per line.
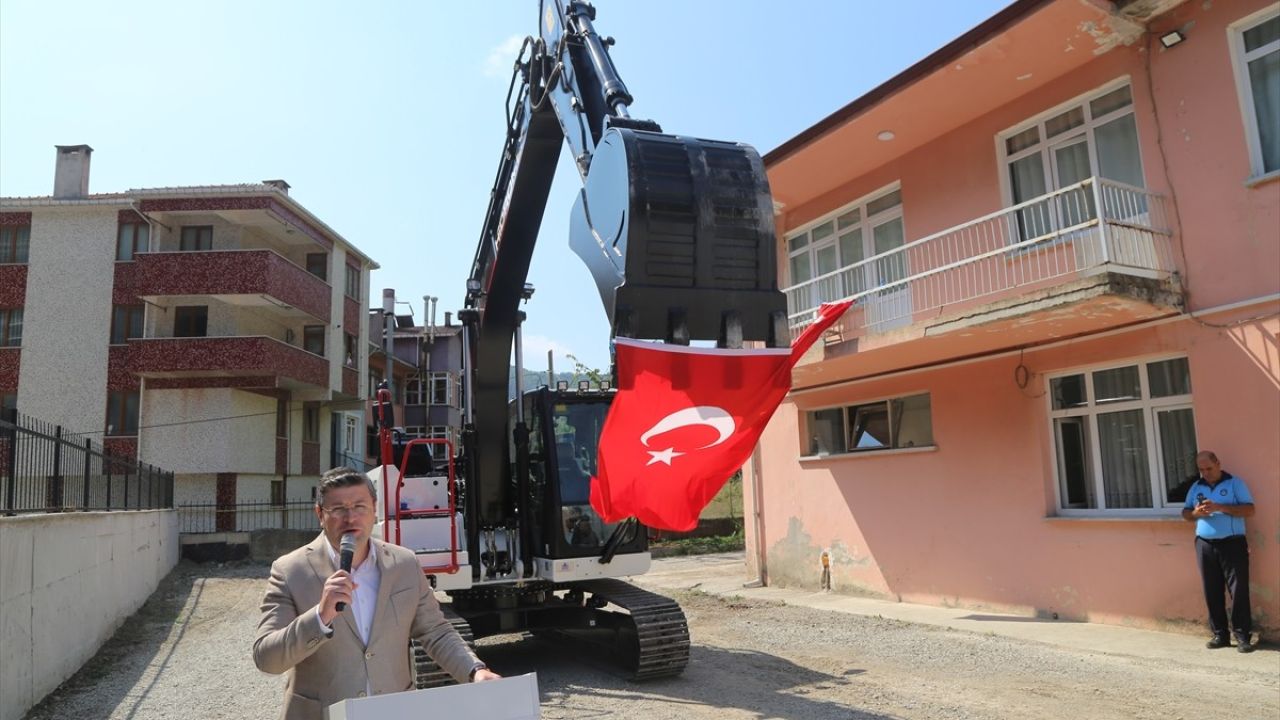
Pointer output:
x,y
442,389
842,242
1124,436
351,430
1255,45
892,424
414,393
442,432
1096,136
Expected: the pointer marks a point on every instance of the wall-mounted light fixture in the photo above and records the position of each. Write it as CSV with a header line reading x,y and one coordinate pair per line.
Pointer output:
x,y
1171,38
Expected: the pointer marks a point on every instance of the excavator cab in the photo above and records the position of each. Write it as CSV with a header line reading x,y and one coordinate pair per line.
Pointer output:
x,y
564,429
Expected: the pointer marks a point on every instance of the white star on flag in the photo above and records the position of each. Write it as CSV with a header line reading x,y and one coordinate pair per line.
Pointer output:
x,y
662,456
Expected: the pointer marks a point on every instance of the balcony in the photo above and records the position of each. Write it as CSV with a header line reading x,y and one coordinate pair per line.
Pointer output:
x,y
245,362
238,277
1050,267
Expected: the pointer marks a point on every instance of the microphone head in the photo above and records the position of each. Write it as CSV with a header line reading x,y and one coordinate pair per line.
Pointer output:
x,y
348,543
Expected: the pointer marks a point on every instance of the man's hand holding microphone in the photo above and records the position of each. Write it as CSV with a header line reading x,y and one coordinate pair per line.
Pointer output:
x,y
339,588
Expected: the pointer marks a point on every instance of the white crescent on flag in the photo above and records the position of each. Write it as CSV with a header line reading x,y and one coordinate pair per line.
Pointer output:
x,y
713,417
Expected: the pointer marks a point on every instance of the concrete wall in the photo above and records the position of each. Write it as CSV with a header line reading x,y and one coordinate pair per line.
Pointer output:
x,y
67,582
67,321
243,445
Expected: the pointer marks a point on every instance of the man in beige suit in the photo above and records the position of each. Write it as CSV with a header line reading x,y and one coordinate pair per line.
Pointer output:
x,y
363,650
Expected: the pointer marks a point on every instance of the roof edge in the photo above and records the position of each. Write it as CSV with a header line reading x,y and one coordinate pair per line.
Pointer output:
x,y
943,56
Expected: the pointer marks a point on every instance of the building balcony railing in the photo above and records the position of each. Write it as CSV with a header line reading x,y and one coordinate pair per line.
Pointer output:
x,y
252,361
1049,240
264,273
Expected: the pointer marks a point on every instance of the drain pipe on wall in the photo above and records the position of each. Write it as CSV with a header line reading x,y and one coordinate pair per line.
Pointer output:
x,y
757,523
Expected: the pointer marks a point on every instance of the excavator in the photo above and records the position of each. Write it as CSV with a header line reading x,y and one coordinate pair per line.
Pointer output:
x,y
678,235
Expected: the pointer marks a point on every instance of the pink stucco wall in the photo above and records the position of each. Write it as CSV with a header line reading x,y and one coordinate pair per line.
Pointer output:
x,y
1196,156
972,522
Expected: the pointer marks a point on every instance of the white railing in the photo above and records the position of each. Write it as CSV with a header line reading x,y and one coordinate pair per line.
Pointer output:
x,y
1051,237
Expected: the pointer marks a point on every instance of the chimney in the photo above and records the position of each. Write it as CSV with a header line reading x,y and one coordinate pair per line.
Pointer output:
x,y
71,175
280,185
448,319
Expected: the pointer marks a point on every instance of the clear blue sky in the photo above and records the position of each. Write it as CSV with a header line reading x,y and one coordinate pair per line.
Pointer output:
x,y
387,117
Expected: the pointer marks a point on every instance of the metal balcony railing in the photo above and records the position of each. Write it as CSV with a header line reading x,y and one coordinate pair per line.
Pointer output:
x,y
1031,245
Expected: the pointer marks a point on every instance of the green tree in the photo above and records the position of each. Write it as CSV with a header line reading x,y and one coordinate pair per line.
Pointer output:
x,y
582,372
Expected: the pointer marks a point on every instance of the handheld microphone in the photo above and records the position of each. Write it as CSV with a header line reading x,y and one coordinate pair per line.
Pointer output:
x,y
346,553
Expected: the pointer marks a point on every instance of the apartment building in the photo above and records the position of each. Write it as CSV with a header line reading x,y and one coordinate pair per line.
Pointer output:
x,y
1062,231
213,331
423,362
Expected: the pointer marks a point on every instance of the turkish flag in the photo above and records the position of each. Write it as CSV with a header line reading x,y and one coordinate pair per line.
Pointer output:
x,y
684,420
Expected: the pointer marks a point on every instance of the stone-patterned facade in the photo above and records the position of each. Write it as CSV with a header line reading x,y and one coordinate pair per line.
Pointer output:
x,y
220,305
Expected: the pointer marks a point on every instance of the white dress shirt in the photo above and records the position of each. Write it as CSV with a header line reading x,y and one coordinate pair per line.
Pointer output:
x,y
367,576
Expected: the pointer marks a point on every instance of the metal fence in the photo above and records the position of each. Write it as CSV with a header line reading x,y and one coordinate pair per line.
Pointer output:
x,y
43,468
244,517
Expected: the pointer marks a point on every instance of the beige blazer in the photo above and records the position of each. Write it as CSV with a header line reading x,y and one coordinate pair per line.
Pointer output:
x,y
323,670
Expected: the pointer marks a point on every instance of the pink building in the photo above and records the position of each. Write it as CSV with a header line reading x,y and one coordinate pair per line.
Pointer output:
x,y
1063,234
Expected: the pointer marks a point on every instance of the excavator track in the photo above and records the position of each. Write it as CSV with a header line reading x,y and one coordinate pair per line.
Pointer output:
x,y
655,644
427,674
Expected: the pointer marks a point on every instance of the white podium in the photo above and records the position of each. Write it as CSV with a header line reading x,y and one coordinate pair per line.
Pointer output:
x,y
511,698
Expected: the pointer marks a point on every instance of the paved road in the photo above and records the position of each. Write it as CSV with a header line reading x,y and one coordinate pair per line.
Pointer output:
x,y
186,655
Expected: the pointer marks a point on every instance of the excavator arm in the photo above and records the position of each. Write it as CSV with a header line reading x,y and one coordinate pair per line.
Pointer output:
x,y
676,231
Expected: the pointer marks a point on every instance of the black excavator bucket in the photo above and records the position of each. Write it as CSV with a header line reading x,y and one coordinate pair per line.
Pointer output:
x,y
678,234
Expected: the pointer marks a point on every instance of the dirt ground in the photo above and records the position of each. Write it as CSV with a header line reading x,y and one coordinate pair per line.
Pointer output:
x,y
186,654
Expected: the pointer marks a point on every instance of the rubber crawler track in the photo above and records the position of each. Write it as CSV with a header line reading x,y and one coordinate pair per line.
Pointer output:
x,y
661,631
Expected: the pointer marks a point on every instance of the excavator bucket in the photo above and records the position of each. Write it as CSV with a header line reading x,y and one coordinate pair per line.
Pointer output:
x,y
678,234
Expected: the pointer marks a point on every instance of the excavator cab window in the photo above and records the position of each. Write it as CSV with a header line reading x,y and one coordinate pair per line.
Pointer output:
x,y
570,432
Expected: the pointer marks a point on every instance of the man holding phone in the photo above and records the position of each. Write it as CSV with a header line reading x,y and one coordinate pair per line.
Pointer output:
x,y
1218,503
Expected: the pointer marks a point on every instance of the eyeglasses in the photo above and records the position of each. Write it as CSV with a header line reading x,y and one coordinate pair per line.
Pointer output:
x,y
345,511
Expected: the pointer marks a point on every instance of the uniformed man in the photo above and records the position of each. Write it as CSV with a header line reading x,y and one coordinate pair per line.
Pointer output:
x,y
1218,503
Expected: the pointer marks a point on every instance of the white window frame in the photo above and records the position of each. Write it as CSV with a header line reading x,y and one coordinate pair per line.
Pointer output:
x,y
1045,144
865,225
449,395
1150,407
351,434
442,432
414,392
1244,92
